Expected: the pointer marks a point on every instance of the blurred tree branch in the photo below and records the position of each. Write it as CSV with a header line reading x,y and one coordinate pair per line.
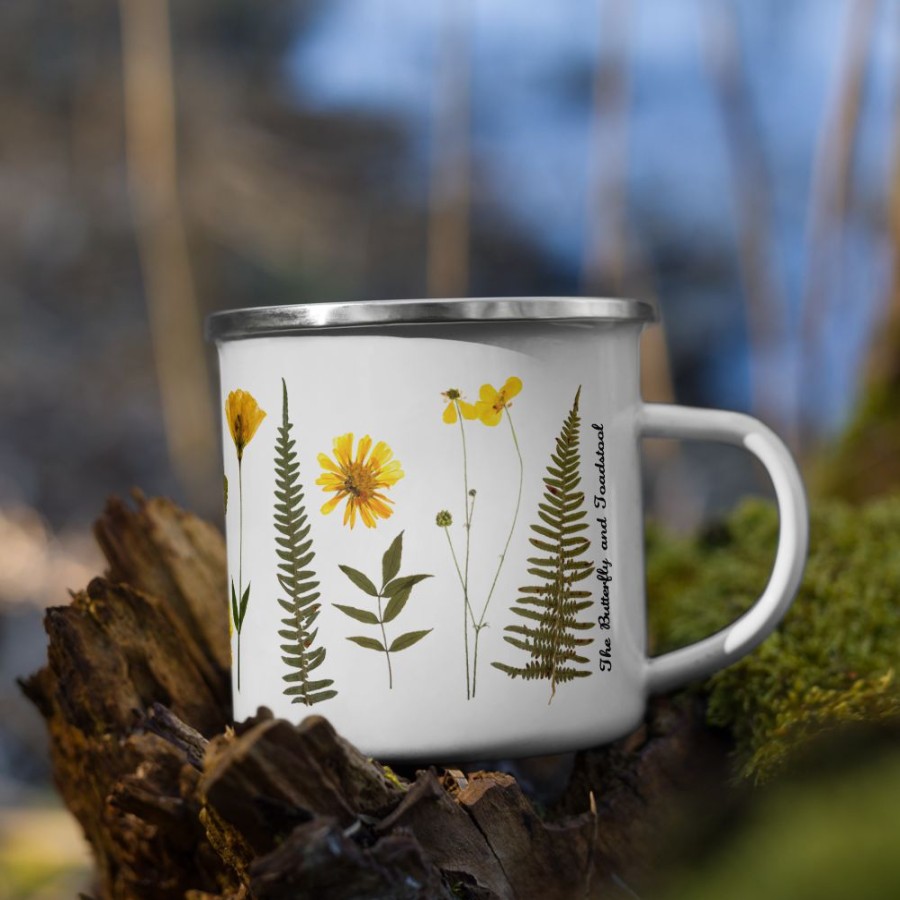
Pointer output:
x,y
864,461
151,153
610,263
605,263
449,197
884,360
764,299
832,179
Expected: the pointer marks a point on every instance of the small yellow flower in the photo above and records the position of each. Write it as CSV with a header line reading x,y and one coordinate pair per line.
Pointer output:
x,y
454,398
360,480
244,416
491,402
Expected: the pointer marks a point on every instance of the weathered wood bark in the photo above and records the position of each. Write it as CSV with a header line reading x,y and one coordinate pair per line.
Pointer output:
x,y
175,802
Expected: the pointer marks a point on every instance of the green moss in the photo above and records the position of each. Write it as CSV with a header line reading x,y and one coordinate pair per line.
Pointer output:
x,y
833,658
392,776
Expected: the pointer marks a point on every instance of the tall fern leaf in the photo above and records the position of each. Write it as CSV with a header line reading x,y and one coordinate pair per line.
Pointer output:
x,y
295,576
551,632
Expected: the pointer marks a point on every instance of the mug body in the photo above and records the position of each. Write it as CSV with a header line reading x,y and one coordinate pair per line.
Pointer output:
x,y
434,522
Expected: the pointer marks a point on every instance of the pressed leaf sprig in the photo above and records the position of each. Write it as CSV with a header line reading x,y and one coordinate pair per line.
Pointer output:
x,y
552,633
295,575
243,416
396,590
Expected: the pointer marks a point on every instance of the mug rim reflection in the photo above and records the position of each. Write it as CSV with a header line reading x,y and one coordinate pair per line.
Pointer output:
x,y
304,317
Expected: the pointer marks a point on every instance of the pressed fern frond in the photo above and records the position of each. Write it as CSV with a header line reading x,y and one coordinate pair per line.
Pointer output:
x,y
551,632
295,576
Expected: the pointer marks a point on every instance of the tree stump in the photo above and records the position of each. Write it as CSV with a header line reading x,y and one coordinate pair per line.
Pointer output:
x,y
176,801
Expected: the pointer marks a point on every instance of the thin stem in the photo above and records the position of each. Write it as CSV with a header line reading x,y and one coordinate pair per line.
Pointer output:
x,y
455,561
462,433
459,573
237,625
240,530
480,624
385,643
467,609
468,526
512,527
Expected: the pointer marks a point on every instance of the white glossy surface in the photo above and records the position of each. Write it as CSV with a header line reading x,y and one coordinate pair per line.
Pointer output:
x,y
721,649
388,383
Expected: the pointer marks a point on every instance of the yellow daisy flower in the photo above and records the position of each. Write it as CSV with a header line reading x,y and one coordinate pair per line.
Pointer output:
x,y
491,402
454,398
243,416
359,480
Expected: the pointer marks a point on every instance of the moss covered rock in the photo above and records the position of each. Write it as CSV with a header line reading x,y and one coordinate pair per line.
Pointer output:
x,y
832,660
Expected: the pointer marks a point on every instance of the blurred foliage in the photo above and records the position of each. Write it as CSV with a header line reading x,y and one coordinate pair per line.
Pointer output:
x,y
829,835
43,854
832,660
865,460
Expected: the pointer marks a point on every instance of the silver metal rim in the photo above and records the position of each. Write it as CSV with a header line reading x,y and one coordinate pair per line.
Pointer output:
x,y
302,317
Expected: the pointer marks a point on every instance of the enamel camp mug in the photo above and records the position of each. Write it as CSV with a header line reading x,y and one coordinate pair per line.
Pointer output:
x,y
434,525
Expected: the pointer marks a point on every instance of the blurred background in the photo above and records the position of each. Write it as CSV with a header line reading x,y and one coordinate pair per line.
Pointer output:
x,y
737,162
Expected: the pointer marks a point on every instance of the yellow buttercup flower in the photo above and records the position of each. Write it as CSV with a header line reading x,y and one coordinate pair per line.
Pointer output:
x,y
244,416
360,480
454,399
491,402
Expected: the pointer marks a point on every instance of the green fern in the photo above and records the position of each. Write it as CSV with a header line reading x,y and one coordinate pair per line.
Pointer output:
x,y
296,578
550,608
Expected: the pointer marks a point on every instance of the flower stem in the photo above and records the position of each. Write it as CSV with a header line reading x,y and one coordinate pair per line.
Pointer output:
x,y
467,609
468,526
385,643
480,624
240,529
238,625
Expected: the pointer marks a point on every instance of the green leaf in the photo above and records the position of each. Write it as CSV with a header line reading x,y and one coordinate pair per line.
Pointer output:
x,y
390,562
225,485
361,615
244,601
408,639
368,643
306,690
234,607
360,580
512,672
317,697
398,584
396,603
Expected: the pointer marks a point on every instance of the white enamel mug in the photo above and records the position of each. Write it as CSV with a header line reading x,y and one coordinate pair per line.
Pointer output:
x,y
434,527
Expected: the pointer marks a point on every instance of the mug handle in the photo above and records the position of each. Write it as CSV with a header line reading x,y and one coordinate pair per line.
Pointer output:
x,y
723,648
